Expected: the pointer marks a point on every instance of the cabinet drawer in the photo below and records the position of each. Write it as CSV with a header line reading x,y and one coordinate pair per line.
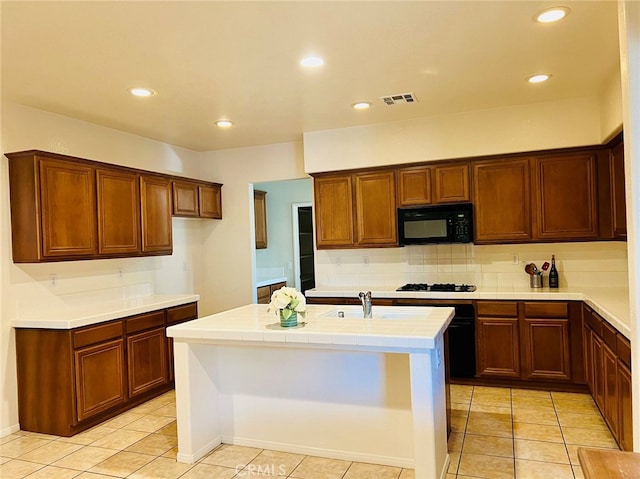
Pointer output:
x,y
546,310
609,334
623,347
595,322
96,334
145,321
182,313
497,308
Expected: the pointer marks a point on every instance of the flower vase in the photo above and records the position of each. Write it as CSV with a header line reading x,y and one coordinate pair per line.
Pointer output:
x,y
290,322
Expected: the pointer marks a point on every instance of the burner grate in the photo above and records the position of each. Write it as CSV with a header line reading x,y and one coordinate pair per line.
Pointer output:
x,y
446,287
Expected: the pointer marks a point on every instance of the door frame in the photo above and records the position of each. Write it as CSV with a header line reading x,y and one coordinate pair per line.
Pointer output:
x,y
296,244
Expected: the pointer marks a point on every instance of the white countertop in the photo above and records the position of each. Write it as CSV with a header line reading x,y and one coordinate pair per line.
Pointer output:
x,y
84,315
270,280
252,323
611,303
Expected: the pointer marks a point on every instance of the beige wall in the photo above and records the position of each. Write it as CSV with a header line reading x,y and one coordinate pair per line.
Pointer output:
x,y
26,288
228,246
611,106
537,126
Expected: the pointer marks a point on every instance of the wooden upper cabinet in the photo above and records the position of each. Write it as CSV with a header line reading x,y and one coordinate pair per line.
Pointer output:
x,y
566,197
425,185
414,186
155,194
618,210
376,214
68,214
333,207
502,199
118,212
260,218
185,198
210,201
53,207
197,200
451,183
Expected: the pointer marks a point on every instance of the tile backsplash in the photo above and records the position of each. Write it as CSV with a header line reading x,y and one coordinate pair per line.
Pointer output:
x,y
501,266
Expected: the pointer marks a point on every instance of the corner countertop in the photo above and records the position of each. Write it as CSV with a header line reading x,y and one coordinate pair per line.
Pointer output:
x,y
87,314
253,324
611,303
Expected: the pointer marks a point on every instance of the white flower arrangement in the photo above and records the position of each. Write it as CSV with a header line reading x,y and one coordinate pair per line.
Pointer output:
x,y
287,300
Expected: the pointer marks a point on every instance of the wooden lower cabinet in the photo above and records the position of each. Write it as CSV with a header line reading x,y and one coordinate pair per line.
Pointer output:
x,y
265,292
147,360
100,378
70,380
529,341
497,339
498,353
625,416
608,372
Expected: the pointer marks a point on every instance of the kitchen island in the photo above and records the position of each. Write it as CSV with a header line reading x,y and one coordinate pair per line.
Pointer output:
x,y
371,390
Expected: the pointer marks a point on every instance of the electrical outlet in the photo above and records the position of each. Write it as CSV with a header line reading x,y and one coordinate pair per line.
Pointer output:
x,y
120,273
515,259
365,260
185,267
53,279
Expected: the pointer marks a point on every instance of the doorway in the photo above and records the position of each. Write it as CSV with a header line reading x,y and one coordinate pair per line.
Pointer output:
x,y
304,270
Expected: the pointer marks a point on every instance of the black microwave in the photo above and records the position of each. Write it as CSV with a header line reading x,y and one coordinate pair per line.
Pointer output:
x,y
436,224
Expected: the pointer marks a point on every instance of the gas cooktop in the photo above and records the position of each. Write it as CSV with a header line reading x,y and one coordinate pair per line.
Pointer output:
x,y
448,287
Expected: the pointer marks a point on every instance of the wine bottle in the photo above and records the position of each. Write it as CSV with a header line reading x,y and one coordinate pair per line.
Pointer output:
x,y
554,280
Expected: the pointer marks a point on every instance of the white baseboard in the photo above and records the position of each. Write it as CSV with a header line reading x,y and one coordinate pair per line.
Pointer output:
x,y
9,430
200,453
322,452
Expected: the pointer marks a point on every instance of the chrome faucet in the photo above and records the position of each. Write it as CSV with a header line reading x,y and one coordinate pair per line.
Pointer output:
x,y
366,303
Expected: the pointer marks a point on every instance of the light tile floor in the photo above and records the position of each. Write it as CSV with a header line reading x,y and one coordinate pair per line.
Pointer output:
x,y
496,433
516,433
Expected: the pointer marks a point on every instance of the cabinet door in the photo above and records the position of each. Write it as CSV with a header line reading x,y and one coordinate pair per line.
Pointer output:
x,y
598,371
498,351
147,361
118,212
625,417
565,188
334,211
260,217
451,183
610,373
546,352
376,214
502,199
100,378
414,186
619,209
68,209
185,198
210,201
155,193
588,357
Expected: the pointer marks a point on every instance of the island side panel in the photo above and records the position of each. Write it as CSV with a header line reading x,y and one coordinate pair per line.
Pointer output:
x,y
197,399
349,405
429,411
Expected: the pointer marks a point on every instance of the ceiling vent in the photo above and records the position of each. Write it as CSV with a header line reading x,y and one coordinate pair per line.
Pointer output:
x,y
399,99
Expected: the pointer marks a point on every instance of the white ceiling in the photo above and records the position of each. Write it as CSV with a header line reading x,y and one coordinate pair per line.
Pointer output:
x,y
239,60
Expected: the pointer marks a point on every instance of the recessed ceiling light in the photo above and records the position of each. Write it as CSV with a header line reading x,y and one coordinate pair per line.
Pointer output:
x,y
142,91
361,105
542,77
224,123
552,14
312,62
